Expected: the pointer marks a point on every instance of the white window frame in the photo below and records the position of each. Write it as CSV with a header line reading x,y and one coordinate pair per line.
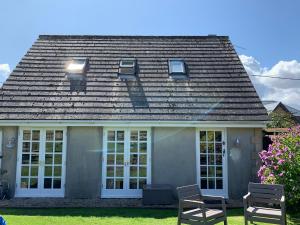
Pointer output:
x,y
133,63
83,65
40,191
126,192
217,192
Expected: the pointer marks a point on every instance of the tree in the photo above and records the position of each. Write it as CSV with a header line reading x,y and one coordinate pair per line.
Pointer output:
x,y
281,120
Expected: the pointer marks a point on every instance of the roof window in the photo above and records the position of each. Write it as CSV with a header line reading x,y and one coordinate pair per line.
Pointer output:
x,y
127,68
176,66
77,65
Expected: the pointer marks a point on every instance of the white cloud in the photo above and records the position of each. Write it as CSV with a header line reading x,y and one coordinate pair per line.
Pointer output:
x,y
4,72
286,91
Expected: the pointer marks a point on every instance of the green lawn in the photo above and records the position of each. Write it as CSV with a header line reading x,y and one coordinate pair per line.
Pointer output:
x,y
107,216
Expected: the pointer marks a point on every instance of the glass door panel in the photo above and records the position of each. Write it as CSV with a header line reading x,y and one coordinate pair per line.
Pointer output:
x,y
30,159
115,159
212,160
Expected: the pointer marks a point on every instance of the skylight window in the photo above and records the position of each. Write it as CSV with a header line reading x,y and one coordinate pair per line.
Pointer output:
x,y
127,68
177,66
77,65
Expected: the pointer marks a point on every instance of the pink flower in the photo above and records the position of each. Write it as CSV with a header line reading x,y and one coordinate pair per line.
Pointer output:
x,y
281,174
281,161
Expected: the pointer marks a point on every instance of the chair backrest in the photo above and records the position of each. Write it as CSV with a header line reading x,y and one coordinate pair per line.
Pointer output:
x,y
189,192
265,193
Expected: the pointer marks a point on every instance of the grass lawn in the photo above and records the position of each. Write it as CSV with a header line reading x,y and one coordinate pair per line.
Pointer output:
x,y
108,216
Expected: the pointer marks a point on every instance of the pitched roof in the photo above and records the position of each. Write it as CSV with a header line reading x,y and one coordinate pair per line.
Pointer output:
x,y
271,106
218,88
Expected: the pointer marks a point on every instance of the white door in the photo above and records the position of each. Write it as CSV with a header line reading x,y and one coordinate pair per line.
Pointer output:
x,y
41,162
126,164
212,161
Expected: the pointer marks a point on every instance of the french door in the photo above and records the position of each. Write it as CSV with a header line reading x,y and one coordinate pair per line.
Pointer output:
x,y
41,162
212,161
126,164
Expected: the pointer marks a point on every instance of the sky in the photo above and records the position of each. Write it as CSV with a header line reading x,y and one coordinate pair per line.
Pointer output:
x,y
265,33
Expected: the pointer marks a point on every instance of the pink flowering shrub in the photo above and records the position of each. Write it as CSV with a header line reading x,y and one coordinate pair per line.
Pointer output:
x,y
281,164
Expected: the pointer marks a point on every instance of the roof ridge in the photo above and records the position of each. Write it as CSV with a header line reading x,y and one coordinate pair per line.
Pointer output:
x,y
60,36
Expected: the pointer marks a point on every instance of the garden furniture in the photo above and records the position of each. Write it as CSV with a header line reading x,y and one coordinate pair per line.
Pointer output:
x,y
194,208
265,203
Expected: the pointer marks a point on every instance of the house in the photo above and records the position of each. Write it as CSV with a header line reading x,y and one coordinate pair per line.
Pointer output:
x,y
100,116
279,107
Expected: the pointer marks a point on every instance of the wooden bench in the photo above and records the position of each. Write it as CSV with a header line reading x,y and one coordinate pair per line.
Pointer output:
x,y
193,209
265,203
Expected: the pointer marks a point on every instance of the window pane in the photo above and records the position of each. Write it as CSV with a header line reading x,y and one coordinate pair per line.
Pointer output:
x,y
218,136
58,147
219,184
143,135
25,159
111,147
142,182
177,66
143,159
218,159
211,171
219,172
134,135
133,171
119,171
119,184
25,171
120,159
33,182
120,135
211,148
110,159
34,171
202,135
120,147
57,171
203,160
133,159
26,146
109,183
57,159
210,135
26,135
204,183
49,135
211,183
48,159
35,147
203,147
49,147
133,147
58,135
111,136
203,171
142,172
47,183
133,184
24,182
57,183
48,171
35,135
211,160
143,147
219,148
110,171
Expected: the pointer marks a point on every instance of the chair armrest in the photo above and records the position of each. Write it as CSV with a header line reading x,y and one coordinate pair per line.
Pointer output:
x,y
282,202
210,197
246,199
197,203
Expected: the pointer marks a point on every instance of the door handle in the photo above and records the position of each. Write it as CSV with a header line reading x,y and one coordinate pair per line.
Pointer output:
x,y
223,152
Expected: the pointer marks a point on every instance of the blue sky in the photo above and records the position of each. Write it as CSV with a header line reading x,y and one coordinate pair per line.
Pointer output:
x,y
267,31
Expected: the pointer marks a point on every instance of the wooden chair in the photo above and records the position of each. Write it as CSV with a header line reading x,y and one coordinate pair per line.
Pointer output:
x,y
265,203
190,198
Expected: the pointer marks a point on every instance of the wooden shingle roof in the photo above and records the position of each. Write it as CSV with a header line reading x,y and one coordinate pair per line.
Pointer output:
x,y
218,88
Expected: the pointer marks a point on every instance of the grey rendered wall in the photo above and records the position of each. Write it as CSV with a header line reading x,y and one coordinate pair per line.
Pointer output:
x,y
9,160
241,159
173,156
83,169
